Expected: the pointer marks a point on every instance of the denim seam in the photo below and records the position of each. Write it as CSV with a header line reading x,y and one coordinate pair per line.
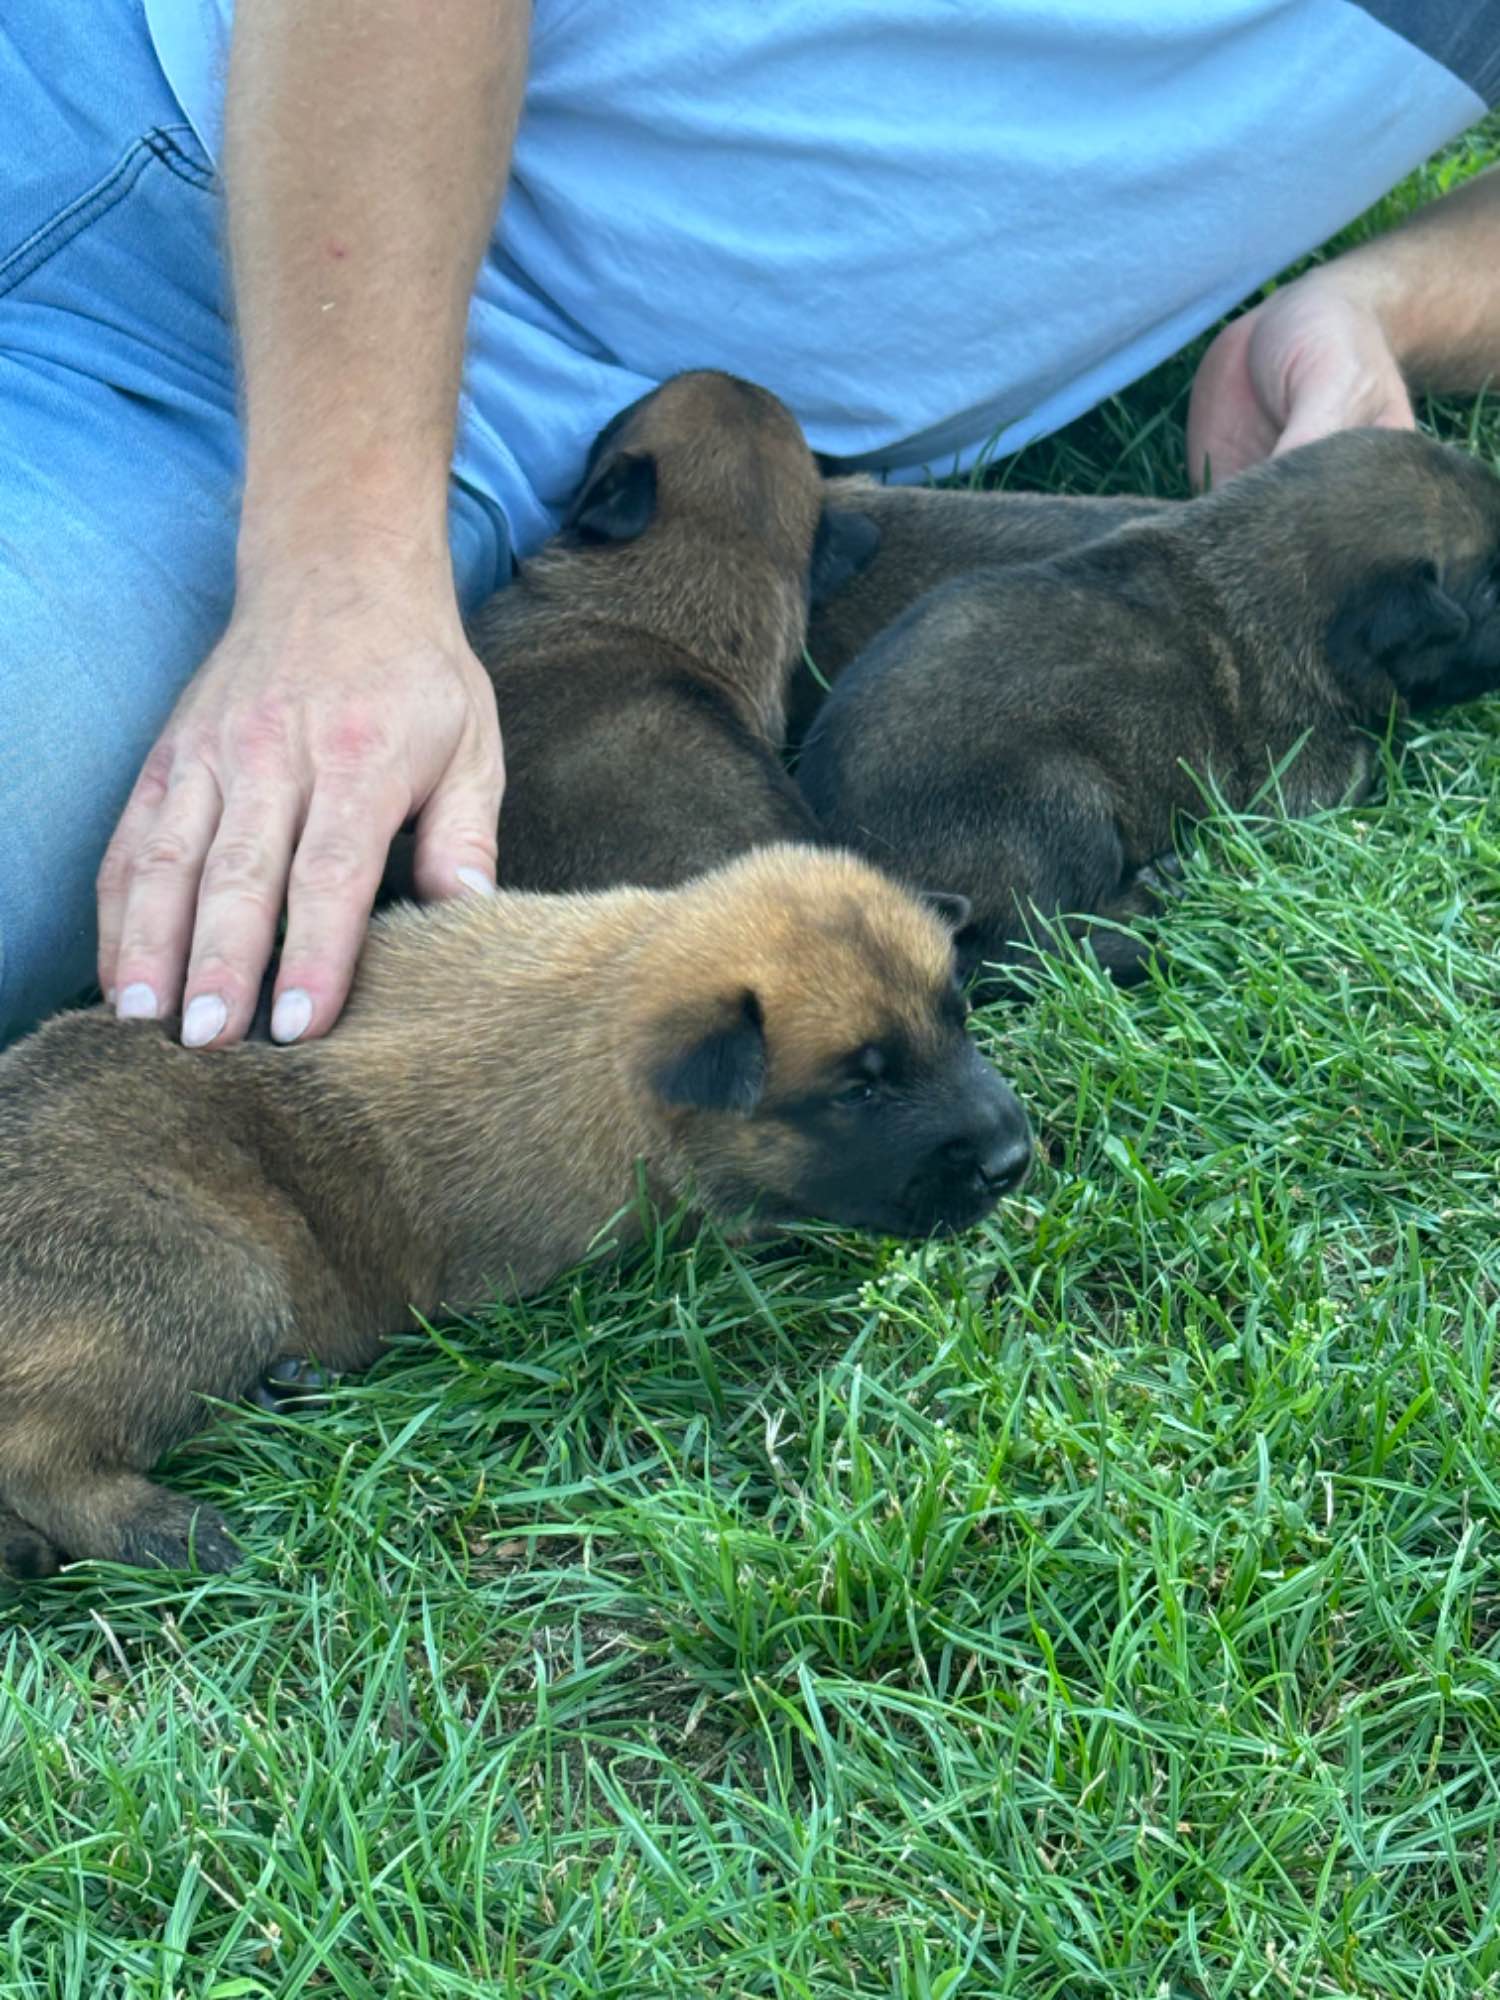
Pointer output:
x,y
162,140
69,222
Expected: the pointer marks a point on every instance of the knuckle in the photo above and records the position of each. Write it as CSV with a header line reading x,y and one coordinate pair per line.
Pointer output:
x,y
354,739
217,970
161,856
114,872
329,866
261,732
239,867
156,773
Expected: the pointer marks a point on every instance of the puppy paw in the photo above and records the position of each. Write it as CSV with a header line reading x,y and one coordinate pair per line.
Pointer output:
x,y
25,1555
1125,959
172,1533
289,1381
1163,877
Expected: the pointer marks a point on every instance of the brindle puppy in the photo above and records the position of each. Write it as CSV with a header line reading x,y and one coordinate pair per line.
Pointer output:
x,y
782,1038
1033,737
641,660
926,536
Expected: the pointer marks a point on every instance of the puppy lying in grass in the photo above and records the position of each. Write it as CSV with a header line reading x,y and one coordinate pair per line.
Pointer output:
x,y
781,1039
641,660
1033,737
926,536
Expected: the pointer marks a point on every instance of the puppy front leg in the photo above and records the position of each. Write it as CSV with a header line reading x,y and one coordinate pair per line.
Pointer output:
x,y
25,1553
109,1512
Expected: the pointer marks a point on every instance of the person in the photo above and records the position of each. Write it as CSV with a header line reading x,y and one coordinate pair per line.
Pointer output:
x,y
236,546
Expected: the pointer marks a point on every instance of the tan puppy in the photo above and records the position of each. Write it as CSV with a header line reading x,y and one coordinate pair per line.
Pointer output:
x,y
641,660
927,534
1035,737
784,1038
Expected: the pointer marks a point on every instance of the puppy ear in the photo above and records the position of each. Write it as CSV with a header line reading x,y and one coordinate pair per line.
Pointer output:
x,y
1398,624
952,910
617,504
724,1070
844,545
968,952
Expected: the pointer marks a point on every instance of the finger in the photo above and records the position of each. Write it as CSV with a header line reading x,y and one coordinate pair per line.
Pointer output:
x,y
161,874
334,877
457,829
239,902
1227,425
112,883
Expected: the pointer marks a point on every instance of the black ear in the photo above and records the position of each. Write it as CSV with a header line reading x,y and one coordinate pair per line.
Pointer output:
x,y
616,505
721,1071
968,952
844,545
1398,624
952,910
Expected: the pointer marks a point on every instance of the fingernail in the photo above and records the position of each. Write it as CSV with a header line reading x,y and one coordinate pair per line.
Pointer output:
x,y
109,997
290,1015
137,1003
203,1019
475,879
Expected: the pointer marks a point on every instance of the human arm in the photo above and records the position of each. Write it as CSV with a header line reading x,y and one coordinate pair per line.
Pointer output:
x,y
367,143
1418,307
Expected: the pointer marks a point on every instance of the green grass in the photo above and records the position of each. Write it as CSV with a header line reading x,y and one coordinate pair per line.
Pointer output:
x,y
1104,1605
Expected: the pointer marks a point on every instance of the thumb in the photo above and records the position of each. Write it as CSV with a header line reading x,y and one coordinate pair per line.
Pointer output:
x,y
456,830
1354,381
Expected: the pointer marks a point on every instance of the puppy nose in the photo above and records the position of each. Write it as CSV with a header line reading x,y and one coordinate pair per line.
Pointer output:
x,y
1003,1163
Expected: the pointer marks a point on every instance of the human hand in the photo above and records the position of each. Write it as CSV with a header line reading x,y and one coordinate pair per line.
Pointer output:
x,y
1314,358
329,713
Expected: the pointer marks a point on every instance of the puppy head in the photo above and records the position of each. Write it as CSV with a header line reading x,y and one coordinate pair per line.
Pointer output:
x,y
803,1039
1406,533
723,462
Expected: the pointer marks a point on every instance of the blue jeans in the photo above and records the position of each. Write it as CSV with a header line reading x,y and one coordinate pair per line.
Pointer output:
x,y
119,461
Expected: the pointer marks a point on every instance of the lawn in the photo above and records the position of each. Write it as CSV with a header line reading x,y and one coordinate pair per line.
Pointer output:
x,y
1103,1604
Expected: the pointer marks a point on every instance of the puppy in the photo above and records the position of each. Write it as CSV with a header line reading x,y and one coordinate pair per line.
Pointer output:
x,y
926,535
782,1038
641,660
1032,737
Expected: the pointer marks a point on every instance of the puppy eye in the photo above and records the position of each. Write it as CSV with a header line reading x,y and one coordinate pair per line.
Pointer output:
x,y
858,1092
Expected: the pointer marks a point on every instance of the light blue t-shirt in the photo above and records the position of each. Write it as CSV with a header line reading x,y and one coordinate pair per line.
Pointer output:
x,y
931,226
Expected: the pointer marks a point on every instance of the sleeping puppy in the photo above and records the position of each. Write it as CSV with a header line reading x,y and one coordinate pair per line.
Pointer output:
x,y
641,660
1033,737
928,534
781,1039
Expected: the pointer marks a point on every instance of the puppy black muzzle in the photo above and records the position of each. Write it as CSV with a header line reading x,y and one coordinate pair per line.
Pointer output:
x,y
984,1152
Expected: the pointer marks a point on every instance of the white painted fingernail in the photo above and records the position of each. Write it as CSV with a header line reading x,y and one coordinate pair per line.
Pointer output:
x,y
203,1019
137,1002
475,879
290,1015
109,997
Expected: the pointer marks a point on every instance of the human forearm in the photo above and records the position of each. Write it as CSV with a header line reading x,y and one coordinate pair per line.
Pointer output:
x,y
1418,307
366,146
1434,285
